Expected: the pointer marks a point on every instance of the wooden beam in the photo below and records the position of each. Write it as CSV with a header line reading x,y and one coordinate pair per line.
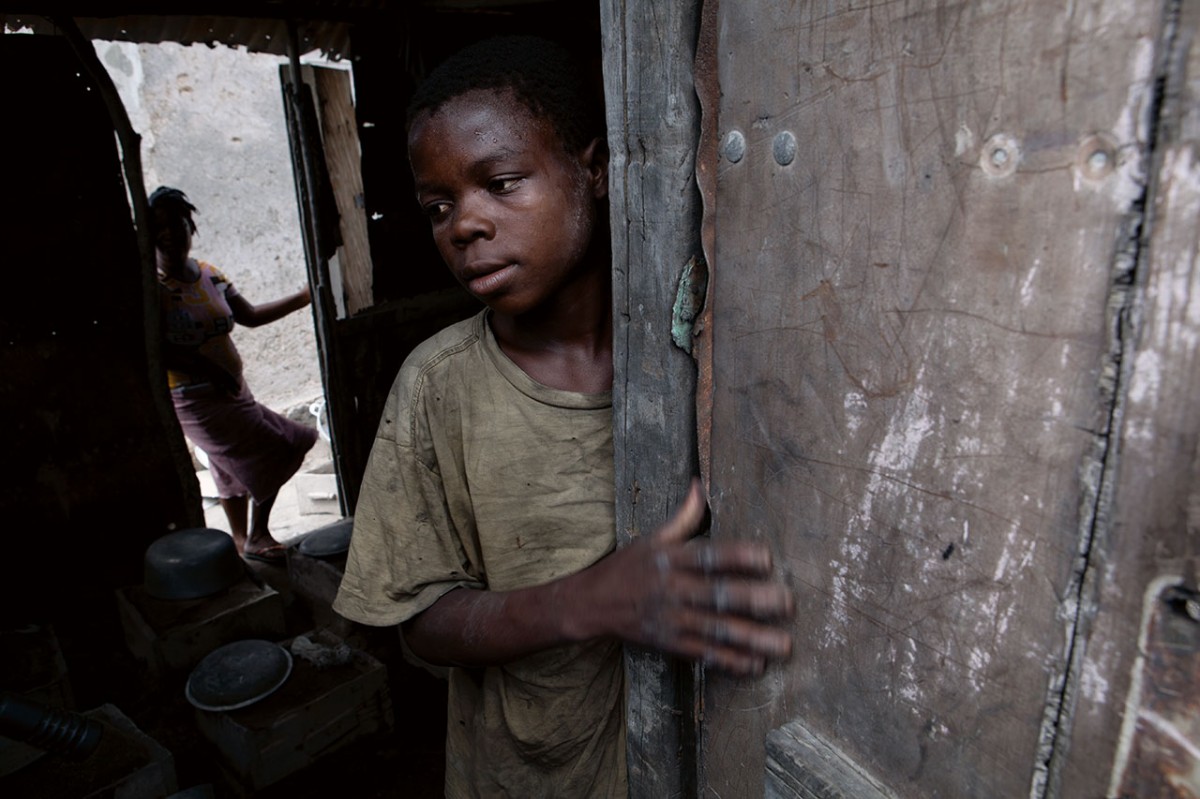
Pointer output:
x,y
653,120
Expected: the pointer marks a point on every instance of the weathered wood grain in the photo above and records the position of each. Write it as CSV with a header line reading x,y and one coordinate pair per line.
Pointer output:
x,y
803,765
339,134
652,124
1135,697
913,363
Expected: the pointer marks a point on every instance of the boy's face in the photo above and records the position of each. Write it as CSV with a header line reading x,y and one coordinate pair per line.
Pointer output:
x,y
513,213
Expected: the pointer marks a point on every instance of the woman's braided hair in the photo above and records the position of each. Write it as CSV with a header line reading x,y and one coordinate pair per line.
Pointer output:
x,y
173,201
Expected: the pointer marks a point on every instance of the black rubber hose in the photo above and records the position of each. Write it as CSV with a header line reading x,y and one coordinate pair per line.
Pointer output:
x,y
52,729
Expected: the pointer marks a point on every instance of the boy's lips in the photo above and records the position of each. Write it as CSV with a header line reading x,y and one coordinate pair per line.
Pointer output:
x,y
487,277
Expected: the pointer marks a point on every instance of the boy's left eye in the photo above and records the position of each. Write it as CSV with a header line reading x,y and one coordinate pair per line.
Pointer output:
x,y
503,185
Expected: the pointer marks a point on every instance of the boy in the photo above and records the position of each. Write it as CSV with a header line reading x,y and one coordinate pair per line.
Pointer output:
x,y
485,521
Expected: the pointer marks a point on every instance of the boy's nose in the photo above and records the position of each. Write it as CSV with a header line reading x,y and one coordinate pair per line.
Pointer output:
x,y
471,222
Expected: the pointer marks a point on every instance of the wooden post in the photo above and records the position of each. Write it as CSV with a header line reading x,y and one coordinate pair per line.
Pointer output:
x,y
653,120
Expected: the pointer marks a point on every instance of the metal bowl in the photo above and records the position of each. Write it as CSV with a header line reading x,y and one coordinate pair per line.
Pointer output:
x,y
329,541
238,674
192,563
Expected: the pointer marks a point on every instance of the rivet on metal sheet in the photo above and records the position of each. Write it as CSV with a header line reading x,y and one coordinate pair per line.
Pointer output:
x,y
1000,155
784,148
734,147
1097,157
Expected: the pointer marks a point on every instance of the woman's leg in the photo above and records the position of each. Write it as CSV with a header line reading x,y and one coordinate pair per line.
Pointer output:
x,y
235,510
260,537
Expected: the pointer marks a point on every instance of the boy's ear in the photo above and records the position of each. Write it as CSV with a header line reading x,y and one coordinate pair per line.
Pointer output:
x,y
595,158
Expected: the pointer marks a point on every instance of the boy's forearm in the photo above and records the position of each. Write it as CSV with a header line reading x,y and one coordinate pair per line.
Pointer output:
x,y
470,627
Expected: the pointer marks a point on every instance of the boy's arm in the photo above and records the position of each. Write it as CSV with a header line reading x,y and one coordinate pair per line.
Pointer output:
x,y
714,602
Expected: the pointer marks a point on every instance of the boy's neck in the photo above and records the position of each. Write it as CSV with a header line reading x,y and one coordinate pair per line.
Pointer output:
x,y
565,345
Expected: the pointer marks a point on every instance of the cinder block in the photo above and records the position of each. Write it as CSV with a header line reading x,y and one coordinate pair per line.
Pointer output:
x,y
128,764
175,634
317,711
316,493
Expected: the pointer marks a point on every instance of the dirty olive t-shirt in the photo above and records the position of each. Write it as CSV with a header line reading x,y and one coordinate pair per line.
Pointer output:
x,y
482,478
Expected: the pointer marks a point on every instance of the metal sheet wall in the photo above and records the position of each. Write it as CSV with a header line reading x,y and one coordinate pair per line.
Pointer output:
x,y
928,232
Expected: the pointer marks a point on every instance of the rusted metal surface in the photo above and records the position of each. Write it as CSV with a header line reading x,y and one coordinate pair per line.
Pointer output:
x,y
708,92
915,368
1159,748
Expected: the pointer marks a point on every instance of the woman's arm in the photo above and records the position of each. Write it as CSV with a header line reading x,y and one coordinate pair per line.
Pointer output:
x,y
714,602
244,313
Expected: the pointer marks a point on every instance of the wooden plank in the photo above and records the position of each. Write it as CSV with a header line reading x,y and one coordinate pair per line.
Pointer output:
x,y
1137,711
804,765
911,348
652,123
339,134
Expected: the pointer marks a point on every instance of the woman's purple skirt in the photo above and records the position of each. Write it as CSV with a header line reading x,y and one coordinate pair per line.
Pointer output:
x,y
251,448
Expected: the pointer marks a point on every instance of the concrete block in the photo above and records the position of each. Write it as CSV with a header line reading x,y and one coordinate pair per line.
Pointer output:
x,y
316,493
319,710
172,635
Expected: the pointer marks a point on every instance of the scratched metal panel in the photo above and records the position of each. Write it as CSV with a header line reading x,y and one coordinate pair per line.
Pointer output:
x,y
912,361
1138,710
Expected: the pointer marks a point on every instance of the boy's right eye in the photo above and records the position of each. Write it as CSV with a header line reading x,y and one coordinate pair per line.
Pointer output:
x,y
435,209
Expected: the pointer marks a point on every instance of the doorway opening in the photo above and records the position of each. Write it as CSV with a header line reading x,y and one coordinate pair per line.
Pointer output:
x,y
212,123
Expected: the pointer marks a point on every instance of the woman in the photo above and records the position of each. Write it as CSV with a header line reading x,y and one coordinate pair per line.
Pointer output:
x,y
252,450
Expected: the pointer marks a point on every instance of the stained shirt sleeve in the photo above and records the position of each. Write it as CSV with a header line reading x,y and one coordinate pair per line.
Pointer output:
x,y
406,550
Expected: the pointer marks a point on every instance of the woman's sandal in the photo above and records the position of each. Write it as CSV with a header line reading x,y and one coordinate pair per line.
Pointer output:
x,y
276,553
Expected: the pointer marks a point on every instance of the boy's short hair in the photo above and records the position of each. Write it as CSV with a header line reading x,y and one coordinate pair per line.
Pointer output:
x,y
542,74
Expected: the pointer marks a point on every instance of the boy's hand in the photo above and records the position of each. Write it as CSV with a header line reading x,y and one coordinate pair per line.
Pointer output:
x,y
710,601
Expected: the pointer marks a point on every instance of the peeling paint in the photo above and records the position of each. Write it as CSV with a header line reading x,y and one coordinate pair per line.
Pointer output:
x,y
689,302
856,409
1179,327
1092,683
1128,182
1147,376
964,141
1027,293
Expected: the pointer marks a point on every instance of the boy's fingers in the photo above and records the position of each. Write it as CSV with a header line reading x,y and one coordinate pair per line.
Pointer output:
x,y
726,659
705,557
686,520
756,600
725,557
731,644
